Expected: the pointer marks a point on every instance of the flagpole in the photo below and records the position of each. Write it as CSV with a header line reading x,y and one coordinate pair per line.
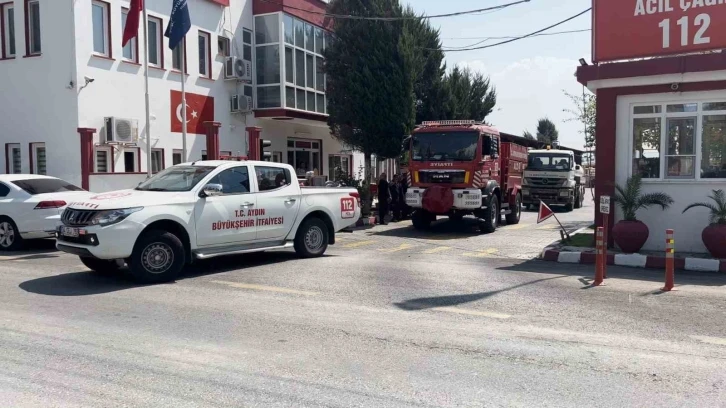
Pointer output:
x,y
184,97
146,92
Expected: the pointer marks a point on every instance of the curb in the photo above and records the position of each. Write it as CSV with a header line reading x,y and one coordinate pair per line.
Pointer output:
x,y
365,221
635,260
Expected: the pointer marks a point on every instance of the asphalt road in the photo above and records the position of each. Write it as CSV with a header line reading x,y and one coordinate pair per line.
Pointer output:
x,y
364,326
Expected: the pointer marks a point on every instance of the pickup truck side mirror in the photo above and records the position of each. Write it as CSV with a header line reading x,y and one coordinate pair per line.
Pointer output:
x,y
211,190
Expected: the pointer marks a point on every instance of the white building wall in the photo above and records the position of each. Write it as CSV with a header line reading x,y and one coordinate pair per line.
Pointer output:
x,y
38,104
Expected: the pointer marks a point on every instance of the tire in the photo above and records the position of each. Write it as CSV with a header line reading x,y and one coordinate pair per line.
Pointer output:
x,y
569,206
10,239
578,199
421,220
491,221
456,217
102,266
516,214
311,239
158,256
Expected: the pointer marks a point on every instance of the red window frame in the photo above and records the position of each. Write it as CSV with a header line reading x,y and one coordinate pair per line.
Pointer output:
x,y
27,30
160,43
135,60
208,37
3,50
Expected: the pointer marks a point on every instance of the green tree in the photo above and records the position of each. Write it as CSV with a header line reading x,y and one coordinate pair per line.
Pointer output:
x,y
469,95
547,131
584,112
370,79
528,135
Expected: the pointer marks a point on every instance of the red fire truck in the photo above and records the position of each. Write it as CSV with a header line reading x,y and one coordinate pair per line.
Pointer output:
x,y
460,167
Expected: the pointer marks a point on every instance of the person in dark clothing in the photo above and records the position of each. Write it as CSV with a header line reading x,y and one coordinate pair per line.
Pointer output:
x,y
402,188
395,199
384,195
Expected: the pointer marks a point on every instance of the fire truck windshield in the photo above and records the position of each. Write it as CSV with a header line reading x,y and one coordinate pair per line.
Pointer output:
x,y
549,162
445,146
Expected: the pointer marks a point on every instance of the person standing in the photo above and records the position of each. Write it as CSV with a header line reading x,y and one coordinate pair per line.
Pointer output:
x,y
383,197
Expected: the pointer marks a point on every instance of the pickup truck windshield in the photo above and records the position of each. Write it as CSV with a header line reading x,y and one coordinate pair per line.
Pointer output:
x,y
549,162
445,146
177,178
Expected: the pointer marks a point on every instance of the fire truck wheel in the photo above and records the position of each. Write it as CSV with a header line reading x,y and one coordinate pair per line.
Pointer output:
x,y
491,221
516,214
578,199
421,220
569,206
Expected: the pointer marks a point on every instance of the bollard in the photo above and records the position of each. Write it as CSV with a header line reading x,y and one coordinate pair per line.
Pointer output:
x,y
600,260
669,262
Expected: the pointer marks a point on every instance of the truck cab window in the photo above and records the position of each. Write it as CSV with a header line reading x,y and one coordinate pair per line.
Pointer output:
x,y
233,181
271,178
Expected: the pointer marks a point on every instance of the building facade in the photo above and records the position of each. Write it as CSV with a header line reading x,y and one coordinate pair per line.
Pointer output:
x,y
66,73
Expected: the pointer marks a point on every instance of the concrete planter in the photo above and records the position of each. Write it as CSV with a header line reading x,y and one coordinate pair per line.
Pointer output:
x,y
714,238
630,236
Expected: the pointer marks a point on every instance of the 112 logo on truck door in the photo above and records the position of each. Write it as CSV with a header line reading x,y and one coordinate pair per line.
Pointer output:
x,y
347,207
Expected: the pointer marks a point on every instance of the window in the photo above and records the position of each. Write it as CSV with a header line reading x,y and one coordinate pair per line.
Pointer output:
x,y
131,161
304,156
8,30
4,190
103,160
156,56
683,141
234,181
272,178
32,27
177,157
246,44
38,159
267,29
182,178
179,56
45,186
223,46
157,160
205,56
131,49
268,97
13,159
268,65
101,28
338,166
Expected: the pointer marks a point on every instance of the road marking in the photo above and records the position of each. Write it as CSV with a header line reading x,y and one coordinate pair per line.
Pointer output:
x,y
481,254
358,244
399,248
712,340
436,250
472,312
516,227
265,288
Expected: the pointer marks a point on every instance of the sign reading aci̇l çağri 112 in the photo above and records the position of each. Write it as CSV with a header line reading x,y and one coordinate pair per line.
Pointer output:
x,y
624,29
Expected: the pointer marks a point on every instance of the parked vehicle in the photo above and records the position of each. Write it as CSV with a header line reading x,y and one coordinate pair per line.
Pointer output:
x,y
552,176
203,210
31,206
460,167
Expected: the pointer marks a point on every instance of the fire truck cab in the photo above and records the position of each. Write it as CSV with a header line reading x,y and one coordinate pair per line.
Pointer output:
x,y
461,167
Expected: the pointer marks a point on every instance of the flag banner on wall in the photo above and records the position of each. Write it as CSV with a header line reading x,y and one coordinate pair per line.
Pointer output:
x,y
200,109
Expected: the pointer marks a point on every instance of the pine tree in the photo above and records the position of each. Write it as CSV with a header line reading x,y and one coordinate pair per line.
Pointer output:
x,y
547,131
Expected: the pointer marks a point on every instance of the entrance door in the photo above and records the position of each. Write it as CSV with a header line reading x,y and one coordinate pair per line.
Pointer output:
x,y
278,203
224,219
304,156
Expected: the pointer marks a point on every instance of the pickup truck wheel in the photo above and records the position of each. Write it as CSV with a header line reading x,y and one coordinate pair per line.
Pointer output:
x,y
516,214
312,238
491,221
10,239
158,257
102,266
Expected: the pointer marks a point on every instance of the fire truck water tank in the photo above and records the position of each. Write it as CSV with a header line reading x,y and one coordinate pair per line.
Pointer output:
x,y
438,199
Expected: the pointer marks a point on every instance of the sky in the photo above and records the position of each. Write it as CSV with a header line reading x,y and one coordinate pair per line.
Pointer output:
x,y
530,74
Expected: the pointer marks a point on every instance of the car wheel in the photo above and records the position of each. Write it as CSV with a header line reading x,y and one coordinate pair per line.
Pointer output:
x,y
158,256
491,221
103,266
312,238
516,214
10,239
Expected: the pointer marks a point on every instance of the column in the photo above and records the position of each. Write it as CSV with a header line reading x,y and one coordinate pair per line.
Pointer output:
x,y
253,134
605,128
86,155
212,129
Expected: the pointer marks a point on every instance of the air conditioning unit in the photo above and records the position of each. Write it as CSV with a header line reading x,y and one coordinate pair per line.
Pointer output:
x,y
238,69
121,130
241,104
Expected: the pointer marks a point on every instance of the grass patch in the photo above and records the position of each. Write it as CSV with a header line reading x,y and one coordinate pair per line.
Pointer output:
x,y
580,240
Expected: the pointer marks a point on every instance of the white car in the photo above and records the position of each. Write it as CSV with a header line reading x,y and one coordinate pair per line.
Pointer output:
x,y
31,205
202,210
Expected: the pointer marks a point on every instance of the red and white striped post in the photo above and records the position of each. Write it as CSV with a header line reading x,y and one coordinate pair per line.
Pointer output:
x,y
670,261
600,260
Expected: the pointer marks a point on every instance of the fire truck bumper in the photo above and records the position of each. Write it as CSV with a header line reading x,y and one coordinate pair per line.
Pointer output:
x,y
464,199
549,196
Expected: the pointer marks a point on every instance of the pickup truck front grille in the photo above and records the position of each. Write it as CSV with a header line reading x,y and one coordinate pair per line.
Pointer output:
x,y
77,218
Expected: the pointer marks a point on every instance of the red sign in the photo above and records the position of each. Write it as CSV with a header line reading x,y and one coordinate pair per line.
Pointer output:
x,y
545,212
347,207
200,109
624,29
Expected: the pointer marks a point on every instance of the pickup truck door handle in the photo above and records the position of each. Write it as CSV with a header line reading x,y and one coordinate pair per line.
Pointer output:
x,y
291,200
247,204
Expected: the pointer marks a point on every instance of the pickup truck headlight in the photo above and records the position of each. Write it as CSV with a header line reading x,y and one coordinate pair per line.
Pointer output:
x,y
113,216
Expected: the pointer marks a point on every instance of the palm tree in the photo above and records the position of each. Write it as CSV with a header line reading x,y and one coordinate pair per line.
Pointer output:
x,y
631,199
717,211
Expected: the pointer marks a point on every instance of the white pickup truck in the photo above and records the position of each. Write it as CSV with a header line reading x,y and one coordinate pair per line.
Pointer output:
x,y
202,210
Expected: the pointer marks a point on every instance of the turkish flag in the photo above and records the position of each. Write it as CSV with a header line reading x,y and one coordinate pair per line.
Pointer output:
x,y
200,109
545,212
131,29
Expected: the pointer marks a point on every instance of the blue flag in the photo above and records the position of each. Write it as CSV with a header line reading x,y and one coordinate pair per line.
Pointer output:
x,y
179,23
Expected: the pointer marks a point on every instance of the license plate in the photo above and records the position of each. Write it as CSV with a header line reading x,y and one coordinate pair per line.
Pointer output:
x,y
69,232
